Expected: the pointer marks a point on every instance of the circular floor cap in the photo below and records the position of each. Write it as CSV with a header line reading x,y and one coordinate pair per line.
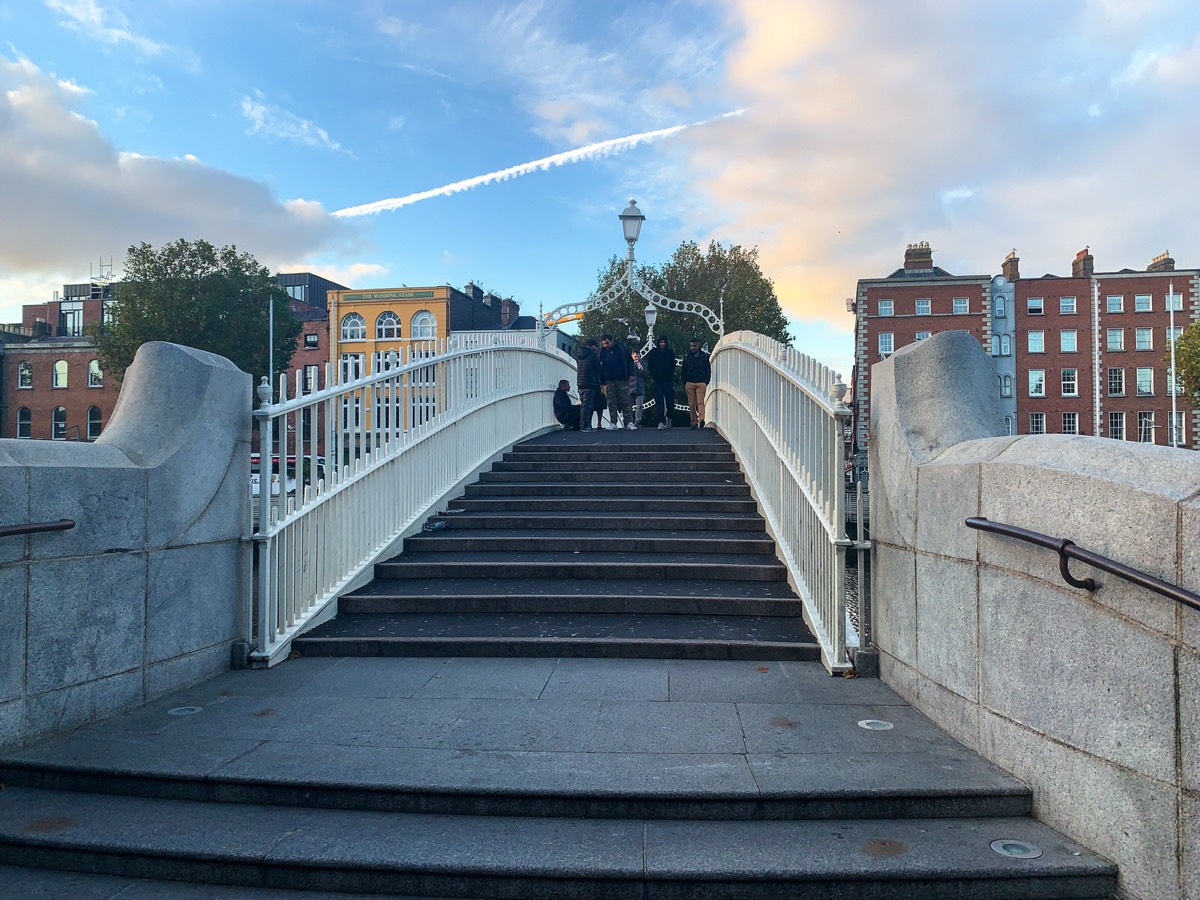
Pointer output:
x,y
876,725
1017,849
185,710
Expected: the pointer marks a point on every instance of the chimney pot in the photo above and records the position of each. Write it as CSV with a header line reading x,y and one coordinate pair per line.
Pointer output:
x,y
1083,265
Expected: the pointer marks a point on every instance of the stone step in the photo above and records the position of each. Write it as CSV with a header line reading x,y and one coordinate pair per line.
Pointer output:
x,y
332,850
619,487
590,473
531,540
620,464
616,454
584,564
610,636
666,518
495,595
590,505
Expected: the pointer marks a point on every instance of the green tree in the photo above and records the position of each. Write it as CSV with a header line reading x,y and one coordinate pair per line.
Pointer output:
x,y
191,293
1187,362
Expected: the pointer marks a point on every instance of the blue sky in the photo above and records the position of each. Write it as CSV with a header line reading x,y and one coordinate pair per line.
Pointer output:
x,y
980,127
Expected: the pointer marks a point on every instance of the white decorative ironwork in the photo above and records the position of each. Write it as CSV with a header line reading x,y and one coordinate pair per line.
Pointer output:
x,y
362,463
785,416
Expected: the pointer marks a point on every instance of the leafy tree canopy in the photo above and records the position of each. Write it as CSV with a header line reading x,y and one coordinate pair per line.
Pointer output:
x,y
191,293
702,276
1187,362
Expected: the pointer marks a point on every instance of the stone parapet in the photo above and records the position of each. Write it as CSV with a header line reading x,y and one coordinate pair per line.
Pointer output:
x,y
141,597
1093,698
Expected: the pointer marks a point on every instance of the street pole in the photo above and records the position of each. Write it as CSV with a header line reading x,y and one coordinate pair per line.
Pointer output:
x,y
1174,402
271,344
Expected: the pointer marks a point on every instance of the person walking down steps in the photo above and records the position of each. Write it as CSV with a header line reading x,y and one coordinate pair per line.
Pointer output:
x,y
614,373
696,373
660,364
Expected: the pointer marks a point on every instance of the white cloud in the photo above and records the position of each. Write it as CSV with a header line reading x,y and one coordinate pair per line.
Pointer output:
x,y
79,196
89,18
276,122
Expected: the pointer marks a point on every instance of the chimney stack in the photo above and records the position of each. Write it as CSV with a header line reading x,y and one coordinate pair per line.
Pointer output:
x,y
1010,268
1162,263
1083,264
473,291
918,257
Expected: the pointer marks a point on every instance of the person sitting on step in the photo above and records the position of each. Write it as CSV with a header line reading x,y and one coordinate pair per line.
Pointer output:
x,y
566,412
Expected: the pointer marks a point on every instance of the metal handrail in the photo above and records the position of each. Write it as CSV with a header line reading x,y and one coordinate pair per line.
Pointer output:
x,y
36,527
1068,550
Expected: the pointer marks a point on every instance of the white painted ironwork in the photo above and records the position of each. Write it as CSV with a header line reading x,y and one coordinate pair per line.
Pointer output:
x,y
371,457
784,414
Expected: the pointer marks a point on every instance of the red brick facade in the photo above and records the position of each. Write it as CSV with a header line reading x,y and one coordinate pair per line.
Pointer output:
x,y
1055,375
84,406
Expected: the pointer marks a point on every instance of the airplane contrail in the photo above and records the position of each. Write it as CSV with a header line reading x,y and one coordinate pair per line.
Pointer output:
x,y
591,151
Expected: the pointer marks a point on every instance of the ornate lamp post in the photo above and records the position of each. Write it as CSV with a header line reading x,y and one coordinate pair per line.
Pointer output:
x,y
651,318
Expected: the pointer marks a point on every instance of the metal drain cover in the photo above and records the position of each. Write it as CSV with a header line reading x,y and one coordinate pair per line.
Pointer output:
x,y
185,710
876,725
1017,849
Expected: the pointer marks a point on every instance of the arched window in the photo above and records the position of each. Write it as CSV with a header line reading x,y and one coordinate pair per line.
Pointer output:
x,y
1008,424
95,375
1006,386
387,326
94,426
60,374
424,325
58,424
24,423
1005,345
25,374
354,328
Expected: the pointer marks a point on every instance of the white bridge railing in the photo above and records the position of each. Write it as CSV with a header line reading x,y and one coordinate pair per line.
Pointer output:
x,y
362,462
784,415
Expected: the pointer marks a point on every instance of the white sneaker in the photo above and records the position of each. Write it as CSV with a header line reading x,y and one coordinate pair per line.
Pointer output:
x,y
632,426
662,426
613,426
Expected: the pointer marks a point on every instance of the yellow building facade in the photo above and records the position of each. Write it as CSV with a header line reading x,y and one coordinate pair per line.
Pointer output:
x,y
364,326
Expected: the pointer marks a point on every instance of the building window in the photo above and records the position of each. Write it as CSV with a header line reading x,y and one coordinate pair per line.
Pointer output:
x,y
1146,427
1034,306
95,374
25,374
1176,430
1037,423
923,306
354,328
1174,387
922,335
70,318
1145,382
1173,334
1070,423
1175,302
962,306
1143,339
1116,303
1116,339
1008,424
887,307
424,326
24,422
1116,426
1005,345
1006,385
999,306
1141,303
1070,382
1068,340
387,326
60,374
297,292
1037,342
351,367
94,426
886,343
311,378
1116,382
1066,306
58,424
1037,382
312,341
108,312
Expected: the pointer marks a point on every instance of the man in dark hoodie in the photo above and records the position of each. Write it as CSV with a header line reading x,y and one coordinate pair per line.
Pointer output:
x,y
566,412
614,372
587,379
660,365
696,373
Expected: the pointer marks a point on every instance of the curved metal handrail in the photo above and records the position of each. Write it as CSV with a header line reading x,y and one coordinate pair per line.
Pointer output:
x,y
1068,550
36,527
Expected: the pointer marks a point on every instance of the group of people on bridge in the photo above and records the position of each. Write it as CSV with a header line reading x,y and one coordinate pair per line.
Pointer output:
x,y
610,377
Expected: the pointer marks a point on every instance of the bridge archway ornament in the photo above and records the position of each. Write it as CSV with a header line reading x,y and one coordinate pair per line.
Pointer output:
x,y
631,221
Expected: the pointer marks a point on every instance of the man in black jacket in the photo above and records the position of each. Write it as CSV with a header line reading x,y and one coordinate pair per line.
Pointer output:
x,y
587,379
660,364
566,412
614,373
696,373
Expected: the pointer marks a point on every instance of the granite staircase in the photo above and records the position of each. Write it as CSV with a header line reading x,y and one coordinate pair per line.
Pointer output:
x,y
615,544
592,683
